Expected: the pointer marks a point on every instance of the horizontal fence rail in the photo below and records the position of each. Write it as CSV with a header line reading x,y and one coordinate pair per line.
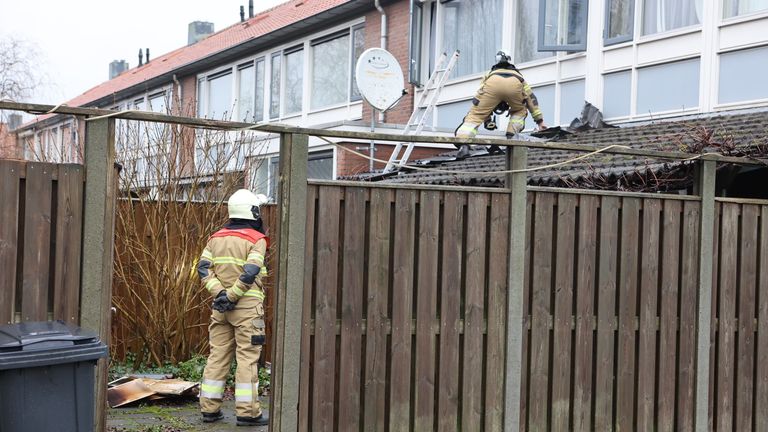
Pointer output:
x,y
40,241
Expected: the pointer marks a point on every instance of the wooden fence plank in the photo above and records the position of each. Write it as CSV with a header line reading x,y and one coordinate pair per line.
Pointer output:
x,y
761,385
715,295
378,290
727,317
585,298
649,280
402,310
561,355
450,304
353,266
526,360
625,375
686,377
541,312
328,248
668,322
10,174
606,304
474,307
746,314
305,390
426,311
37,241
69,228
497,301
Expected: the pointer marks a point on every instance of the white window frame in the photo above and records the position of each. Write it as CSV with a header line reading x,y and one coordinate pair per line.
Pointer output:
x,y
542,47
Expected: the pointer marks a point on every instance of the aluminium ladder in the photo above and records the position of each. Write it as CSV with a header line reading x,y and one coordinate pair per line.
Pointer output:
x,y
421,112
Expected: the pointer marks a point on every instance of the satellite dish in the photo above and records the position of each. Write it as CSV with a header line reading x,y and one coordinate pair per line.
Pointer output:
x,y
379,78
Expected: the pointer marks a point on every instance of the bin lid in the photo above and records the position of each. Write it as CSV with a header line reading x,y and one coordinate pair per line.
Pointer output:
x,y
42,335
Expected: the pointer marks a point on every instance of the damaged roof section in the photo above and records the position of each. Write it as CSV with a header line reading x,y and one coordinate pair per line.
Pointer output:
x,y
733,134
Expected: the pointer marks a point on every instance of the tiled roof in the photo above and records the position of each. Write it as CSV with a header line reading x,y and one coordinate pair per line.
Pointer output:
x,y
261,24
749,128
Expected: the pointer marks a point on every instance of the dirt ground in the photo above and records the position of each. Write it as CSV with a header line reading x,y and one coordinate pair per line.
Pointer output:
x,y
172,417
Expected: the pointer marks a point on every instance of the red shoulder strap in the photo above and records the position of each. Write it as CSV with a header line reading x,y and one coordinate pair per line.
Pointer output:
x,y
245,233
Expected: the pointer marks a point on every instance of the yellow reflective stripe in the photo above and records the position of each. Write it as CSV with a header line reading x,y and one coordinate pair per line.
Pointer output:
x,y
254,293
536,113
211,284
238,292
517,120
263,271
527,88
207,254
255,256
228,260
209,388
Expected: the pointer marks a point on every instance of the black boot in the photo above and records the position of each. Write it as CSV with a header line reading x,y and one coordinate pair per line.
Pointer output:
x,y
463,152
212,417
495,150
262,420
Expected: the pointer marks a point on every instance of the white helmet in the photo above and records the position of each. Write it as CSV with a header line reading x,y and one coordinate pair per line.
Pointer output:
x,y
502,57
244,204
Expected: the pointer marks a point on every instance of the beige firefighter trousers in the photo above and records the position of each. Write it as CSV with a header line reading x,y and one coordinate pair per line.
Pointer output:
x,y
230,333
493,90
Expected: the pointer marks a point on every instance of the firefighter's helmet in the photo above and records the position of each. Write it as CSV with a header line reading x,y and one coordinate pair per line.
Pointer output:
x,y
502,57
244,204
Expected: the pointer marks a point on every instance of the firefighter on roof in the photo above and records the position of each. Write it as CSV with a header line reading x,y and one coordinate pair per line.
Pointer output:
x,y
231,267
503,84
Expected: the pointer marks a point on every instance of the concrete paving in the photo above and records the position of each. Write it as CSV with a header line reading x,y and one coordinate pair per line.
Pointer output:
x,y
172,417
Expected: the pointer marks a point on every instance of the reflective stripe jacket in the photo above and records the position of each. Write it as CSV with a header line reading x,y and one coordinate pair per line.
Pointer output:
x,y
233,260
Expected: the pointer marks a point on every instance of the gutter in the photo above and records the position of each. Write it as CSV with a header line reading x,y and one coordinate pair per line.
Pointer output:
x,y
383,24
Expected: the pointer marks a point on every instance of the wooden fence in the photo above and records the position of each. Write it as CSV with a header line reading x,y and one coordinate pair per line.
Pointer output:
x,y
405,308
41,223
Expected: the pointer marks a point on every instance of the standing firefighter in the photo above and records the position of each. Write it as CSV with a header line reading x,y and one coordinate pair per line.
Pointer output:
x,y
231,267
502,85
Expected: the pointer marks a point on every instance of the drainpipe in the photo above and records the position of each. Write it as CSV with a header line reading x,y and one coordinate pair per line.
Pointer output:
x,y
372,152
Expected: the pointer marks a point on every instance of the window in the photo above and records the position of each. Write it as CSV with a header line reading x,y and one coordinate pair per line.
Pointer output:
x,y
474,28
740,71
358,46
571,100
294,81
157,103
330,71
202,101
451,115
562,25
246,91
274,87
320,165
666,87
619,21
220,96
732,8
664,15
414,43
527,35
546,97
617,92
258,111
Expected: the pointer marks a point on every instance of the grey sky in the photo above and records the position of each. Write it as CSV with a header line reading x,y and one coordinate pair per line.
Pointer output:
x,y
78,39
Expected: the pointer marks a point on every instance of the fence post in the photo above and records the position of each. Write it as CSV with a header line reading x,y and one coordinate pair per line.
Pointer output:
x,y
517,158
98,245
706,189
292,211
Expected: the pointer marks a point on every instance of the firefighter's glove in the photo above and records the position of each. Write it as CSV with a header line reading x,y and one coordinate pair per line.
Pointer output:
x,y
222,303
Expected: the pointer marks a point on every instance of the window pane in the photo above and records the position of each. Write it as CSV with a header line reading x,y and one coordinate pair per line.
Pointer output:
x,y
274,173
320,166
260,180
620,19
220,97
671,86
294,79
451,115
259,109
546,98
330,72
414,49
157,103
274,87
733,8
474,28
663,15
201,99
246,94
739,71
571,100
358,45
564,23
527,33
617,91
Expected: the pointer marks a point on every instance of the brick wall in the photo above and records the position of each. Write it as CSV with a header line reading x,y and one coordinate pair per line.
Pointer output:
x,y
8,147
350,164
186,106
397,44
